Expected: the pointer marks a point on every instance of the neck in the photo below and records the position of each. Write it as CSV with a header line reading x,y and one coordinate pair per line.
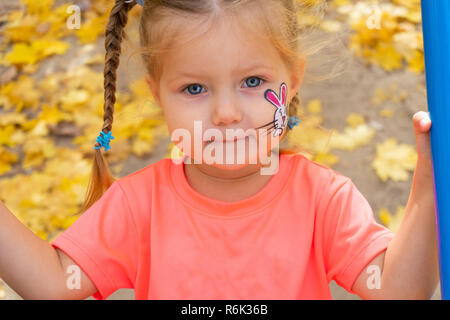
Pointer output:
x,y
226,185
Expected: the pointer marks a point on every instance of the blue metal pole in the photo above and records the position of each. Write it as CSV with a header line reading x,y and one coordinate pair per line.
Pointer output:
x,y
436,34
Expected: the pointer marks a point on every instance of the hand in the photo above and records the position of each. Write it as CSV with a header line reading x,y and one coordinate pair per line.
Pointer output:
x,y
422,126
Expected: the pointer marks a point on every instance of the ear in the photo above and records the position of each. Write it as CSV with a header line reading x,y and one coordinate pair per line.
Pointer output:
x,y
154,88
297,75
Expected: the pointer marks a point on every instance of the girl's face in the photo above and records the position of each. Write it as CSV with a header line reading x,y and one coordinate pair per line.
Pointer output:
x,y
218,81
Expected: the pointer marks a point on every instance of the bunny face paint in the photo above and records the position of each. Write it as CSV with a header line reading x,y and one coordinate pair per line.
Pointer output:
x,y
280,119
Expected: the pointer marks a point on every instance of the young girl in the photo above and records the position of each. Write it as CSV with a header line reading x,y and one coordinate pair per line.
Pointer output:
x,y
198,229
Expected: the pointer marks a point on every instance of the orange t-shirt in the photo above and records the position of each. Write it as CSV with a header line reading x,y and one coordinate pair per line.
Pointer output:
x,y
153,232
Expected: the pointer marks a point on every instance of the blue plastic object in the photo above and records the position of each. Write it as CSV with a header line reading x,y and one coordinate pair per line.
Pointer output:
x,y
436,33
293,121
104,139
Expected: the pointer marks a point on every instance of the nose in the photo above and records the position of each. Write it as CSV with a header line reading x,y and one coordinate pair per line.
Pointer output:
x,y
226,110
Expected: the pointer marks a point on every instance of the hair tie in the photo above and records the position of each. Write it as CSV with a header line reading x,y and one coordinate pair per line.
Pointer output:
x,y
140,2
293,121
103,139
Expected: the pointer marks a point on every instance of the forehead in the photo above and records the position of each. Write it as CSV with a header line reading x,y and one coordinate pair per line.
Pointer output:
x,y
223,46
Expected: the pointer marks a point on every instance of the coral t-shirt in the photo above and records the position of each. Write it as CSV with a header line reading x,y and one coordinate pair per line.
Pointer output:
x,y
153,232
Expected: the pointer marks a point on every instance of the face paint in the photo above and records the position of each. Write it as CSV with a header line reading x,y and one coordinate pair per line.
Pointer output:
x,y
280,119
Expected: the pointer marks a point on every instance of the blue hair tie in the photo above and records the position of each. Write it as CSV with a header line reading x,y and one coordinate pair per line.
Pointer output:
x,y
103,139
293,121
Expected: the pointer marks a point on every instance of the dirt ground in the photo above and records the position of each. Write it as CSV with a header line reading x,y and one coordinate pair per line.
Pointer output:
x,y
350,92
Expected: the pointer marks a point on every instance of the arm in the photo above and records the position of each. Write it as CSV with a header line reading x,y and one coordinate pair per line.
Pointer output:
x,y
410,265
32,267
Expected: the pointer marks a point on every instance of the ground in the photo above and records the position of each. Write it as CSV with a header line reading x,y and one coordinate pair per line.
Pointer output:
x,y
352,91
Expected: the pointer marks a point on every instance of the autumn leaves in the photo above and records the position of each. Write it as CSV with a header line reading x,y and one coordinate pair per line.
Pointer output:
x,y
49,118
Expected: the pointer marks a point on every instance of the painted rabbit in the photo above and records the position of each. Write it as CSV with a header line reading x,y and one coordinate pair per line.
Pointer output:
x,y
280,117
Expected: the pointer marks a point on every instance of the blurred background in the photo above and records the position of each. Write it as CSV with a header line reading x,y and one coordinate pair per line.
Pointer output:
x,y
358,122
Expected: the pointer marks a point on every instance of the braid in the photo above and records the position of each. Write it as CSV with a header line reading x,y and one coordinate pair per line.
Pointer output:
x,y
101,177
113,39
294,106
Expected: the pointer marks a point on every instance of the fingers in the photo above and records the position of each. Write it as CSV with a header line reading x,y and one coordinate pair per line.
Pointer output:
x,y
422,122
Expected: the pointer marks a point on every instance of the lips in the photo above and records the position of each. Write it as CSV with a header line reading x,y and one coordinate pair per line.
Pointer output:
x,y
234,136
223,141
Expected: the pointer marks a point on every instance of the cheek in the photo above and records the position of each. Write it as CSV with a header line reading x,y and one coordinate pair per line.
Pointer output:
x,y
182,127
261,114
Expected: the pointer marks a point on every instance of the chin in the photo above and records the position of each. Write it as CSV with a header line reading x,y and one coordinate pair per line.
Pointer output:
x,y
220,161
229,167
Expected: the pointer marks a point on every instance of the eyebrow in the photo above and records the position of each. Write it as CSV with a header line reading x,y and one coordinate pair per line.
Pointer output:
x,y
244,70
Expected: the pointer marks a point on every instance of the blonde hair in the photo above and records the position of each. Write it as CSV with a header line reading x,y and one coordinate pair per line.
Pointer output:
x,y
277,20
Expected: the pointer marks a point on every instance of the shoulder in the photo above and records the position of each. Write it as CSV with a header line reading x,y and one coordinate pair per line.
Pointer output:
x,y
146,175
316,182
314,173
140,185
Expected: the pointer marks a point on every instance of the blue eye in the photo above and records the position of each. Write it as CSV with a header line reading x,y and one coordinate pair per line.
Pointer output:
x,y
197,89
254,84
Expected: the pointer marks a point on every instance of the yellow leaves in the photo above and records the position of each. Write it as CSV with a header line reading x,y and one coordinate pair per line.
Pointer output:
x,y
331,25
21,28
174,152
38,128
353,137
35,33
49,182
320,141
417,62
93,27
387,34
357,134
52,115
310,135
48,201
144,142
325,158
310,2
355,119
74,98
12,118
2,292
309,13
62,222
387,57
140,89
5,135
339,3
7,158
21,93
392,221
393,161
30,54
40,8
141,147
382,95
47,198
45,47
314,106
387,113
37,149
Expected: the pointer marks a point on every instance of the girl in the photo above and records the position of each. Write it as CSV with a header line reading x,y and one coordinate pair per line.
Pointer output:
x,y
201,229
